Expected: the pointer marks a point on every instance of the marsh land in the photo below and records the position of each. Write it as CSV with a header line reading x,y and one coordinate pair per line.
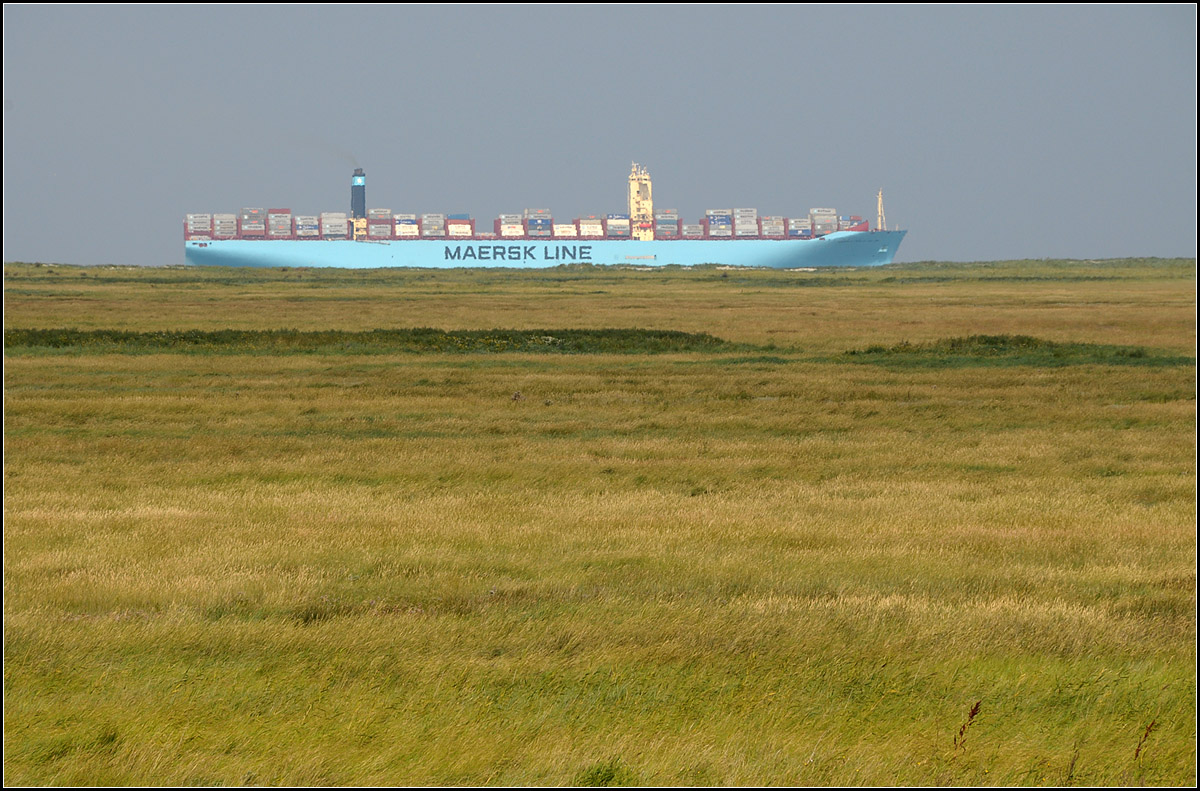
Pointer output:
x,y
922,524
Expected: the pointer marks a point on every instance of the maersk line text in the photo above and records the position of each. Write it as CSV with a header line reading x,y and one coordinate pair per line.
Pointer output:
x,y
567,253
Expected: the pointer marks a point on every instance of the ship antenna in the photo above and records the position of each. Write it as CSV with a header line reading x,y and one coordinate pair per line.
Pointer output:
x,y
881,225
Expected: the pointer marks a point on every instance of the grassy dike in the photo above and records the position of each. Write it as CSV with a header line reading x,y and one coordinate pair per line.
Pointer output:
x,y
925,524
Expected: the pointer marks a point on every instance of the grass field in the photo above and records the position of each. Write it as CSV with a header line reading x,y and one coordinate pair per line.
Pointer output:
x,y
921,524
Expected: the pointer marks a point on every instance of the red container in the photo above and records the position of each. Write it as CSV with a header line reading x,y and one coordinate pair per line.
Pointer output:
x,y
199,232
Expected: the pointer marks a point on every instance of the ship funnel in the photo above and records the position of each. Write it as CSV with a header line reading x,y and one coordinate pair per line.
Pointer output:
x,y
358,194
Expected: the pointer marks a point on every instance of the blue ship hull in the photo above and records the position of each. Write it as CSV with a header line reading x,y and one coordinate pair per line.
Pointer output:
x,y
845,248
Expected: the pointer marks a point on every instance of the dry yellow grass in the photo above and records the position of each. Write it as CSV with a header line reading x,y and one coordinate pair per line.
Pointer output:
x,y
684,569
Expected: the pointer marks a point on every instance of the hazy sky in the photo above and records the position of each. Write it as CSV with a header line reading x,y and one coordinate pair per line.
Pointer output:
x,y
994,131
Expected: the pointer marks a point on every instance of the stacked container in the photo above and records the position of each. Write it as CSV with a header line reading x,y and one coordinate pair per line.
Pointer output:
x,y
379,223
565,230
433,225
406,226
692,231
279,223
745,222
198,226
824,221
225,226
510,226
252,224
618,226
666,224
772,227
307,226
460,226
719,223
799,227
591,226
538,223
852,223
335,225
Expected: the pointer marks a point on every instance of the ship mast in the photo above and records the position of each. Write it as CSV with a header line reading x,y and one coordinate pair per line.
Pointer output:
x,y
641,203
881,225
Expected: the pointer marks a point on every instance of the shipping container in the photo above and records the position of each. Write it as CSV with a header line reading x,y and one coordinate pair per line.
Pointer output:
x,y
198,226
225,225
333,226
591,227
251,229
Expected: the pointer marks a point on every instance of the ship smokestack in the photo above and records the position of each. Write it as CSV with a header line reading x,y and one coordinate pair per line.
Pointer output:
x,y
358,194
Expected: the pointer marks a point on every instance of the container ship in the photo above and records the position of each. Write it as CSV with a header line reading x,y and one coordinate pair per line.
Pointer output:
x,y
368,238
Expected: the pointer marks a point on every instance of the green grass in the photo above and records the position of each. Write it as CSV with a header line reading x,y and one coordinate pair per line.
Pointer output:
x,y
416,341
730,553
1010,350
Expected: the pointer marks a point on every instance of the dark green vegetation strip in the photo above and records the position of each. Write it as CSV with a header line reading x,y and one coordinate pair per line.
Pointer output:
x,y
1008,350
971,351
416,341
